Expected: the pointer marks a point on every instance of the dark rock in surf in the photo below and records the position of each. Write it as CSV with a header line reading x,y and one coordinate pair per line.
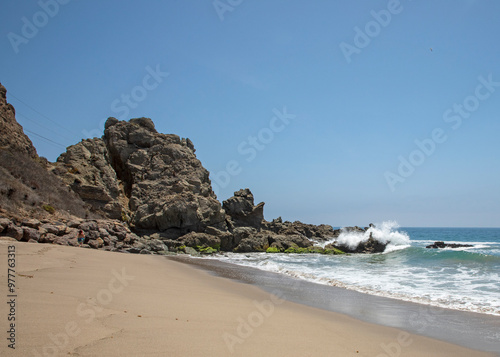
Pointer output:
x,y
440,245
371,245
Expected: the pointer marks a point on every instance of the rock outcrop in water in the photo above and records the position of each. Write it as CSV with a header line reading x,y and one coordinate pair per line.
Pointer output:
x,y
440,245
371,245
136,190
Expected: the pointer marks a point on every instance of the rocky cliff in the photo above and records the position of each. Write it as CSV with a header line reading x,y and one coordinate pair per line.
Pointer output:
x,y
27,189
147,192
12,136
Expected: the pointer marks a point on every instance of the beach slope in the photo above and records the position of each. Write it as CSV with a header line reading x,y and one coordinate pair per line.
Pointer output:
x,y
81,302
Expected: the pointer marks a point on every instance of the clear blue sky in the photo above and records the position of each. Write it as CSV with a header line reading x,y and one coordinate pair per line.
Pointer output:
x,y
361,97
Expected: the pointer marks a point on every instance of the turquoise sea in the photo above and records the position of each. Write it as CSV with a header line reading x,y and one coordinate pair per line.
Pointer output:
x,y
463,279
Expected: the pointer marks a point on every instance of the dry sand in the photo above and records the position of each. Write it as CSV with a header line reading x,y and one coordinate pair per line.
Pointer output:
x,y
81,302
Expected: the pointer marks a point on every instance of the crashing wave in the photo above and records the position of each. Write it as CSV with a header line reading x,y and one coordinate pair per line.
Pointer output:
x,y
385,234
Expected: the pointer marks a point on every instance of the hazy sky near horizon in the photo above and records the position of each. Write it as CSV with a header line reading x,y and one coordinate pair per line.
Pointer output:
x,y
335,112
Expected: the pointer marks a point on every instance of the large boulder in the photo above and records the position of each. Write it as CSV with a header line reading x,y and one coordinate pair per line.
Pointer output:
x,y
286,241
320,232
251,241
241,210
14,231
30,234
200,240
256,243
4,223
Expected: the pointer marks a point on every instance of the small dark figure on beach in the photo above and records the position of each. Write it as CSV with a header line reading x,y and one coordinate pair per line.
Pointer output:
x,y
81,237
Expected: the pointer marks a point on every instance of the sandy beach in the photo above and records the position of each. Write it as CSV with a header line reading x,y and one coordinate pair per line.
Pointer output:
x,y
81,302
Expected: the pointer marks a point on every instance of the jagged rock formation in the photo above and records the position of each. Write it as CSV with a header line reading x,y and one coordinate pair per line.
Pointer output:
x,y
167,186
241,211
86,169
12,136
154,178
251,232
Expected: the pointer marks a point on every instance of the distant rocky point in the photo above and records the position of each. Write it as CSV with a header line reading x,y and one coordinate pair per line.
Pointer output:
x,y
139,191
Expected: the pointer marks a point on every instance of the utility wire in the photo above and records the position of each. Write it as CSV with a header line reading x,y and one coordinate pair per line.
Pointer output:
x,y
40,136
40,125
43,137
46,117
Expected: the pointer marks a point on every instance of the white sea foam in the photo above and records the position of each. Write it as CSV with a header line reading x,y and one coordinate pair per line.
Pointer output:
x,y
461,292
385,232
427,242
460,280
392,248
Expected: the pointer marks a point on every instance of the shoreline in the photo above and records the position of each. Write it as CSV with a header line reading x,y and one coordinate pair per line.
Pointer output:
x,y
468,329
334,283
74,301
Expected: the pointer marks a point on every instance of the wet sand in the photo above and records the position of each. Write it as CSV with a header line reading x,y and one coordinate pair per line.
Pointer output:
x,y
472,330
82,302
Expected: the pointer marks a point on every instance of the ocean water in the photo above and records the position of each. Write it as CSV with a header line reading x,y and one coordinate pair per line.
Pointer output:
x,y
463,279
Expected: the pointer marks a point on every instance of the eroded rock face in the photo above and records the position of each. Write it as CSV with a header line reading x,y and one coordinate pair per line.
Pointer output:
x,y
167,186
86,168
152,179
241,210
12,136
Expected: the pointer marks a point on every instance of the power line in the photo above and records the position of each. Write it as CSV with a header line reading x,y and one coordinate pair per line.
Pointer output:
x,y
40,125
43,137
38,135
46,117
